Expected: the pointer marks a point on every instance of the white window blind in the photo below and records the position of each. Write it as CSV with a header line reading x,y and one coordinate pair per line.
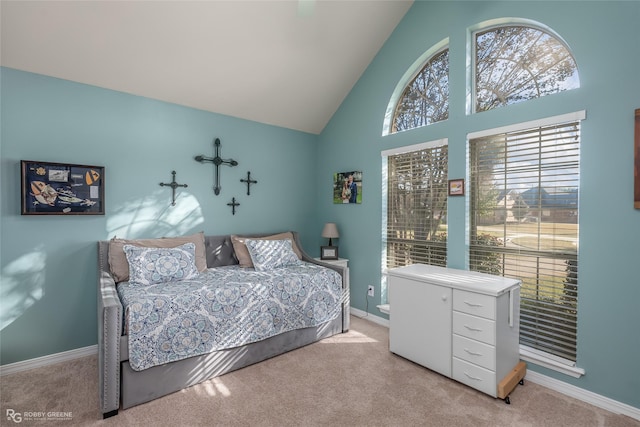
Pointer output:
x,y
524,224
414,228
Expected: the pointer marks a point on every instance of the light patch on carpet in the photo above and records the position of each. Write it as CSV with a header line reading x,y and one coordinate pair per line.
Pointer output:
x,y
351,337
213,387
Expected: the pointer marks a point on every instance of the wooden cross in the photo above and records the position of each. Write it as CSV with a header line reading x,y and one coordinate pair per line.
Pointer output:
x,y
173,184
233,205
249,181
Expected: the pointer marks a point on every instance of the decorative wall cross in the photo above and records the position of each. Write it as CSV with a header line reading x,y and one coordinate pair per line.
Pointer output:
x,y
173,184
233,205
249,181
217,161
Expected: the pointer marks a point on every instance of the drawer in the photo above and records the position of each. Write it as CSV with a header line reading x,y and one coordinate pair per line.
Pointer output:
x,y
476,304
475,376
474,327
475,352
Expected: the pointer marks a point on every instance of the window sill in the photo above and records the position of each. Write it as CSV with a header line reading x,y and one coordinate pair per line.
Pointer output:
x,y
568,368
384,308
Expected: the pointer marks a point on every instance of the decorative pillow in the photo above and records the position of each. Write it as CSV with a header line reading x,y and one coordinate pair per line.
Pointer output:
x,y
148,266
270,254
118,260
242,253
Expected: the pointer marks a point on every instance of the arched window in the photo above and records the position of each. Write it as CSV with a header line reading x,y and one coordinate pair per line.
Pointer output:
x,y
422,95
517,62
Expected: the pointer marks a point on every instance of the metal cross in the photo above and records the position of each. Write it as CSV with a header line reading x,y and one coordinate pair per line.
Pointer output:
x,y
249,181
233,205
173,184
217,161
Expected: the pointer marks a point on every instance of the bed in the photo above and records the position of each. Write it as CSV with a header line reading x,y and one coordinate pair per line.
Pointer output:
x,y
162,337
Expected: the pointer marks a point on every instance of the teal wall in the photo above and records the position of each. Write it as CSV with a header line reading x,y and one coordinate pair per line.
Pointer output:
x,y
604,39
48,264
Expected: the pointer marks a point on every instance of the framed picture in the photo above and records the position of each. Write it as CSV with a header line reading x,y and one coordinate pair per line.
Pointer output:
x,y
328,252
456,187
61,189
347,187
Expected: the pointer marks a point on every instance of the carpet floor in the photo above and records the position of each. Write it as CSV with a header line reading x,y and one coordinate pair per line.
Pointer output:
x,y
347,380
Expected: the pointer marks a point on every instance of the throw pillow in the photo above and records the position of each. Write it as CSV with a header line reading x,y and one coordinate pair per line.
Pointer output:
x,y
118,261
270,254
149,266
242,253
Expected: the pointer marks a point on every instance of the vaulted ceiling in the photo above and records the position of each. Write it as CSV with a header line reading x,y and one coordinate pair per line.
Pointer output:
x,y
286,63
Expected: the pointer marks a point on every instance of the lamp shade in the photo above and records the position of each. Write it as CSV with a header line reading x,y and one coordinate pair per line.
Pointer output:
x,y
330,231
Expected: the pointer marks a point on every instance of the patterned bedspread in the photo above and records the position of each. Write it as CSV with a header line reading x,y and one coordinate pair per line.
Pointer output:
x,y
224,307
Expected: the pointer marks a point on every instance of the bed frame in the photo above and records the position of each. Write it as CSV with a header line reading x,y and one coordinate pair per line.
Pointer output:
x,y
121,386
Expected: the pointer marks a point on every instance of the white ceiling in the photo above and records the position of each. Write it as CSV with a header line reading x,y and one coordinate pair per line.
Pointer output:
x,y
286,63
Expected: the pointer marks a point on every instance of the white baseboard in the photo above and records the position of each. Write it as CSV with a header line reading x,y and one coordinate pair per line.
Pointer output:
x,y
51,359
583,395
371,317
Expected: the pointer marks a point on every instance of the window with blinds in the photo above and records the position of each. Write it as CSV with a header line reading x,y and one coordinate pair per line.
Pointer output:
x,y
524,224
414,228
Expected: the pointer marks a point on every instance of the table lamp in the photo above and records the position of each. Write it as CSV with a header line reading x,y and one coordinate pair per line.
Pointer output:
x,y
330,231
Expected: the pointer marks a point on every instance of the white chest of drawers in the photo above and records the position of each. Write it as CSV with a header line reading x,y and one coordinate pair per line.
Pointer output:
x,y
462,324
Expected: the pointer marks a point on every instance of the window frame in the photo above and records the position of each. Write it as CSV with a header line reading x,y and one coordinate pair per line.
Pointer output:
x,y
408,77
471,93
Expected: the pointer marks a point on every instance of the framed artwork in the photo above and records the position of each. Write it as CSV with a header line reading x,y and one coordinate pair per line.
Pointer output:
x,y
636,169
347,187
61,189
328,252
456,187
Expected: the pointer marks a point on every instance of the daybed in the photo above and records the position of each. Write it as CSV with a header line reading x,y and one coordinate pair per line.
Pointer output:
x,y
120,385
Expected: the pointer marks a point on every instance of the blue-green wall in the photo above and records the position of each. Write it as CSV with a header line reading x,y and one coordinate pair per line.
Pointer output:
x,y
604,39
48,264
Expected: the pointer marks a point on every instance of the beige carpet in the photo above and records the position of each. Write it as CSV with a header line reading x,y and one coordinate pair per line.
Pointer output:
x,y
348,380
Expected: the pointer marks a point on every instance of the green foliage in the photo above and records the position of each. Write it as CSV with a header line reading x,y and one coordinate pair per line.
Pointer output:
x,y
570,288
486,261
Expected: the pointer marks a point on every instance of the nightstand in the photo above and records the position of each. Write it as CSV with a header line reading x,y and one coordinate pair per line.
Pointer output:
x,y
342,262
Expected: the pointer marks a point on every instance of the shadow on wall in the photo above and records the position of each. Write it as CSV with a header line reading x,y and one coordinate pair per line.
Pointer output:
x,y
153,216
24,279
22,285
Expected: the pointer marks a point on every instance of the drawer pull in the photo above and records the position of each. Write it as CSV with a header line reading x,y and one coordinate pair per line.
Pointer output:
x,y
471,304
472,377
473,353
472,329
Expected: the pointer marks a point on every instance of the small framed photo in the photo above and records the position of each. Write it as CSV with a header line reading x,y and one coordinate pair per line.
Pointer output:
x,y
456,187
347,187
328,252
61,189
